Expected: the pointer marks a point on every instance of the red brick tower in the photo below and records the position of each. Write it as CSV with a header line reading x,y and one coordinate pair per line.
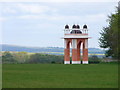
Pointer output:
x,y
77,38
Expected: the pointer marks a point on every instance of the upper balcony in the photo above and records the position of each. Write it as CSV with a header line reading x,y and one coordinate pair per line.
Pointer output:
x,y
76,32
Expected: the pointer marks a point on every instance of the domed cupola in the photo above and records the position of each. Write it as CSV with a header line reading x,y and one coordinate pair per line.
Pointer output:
x,y
74,26
85,26
78,27
66,27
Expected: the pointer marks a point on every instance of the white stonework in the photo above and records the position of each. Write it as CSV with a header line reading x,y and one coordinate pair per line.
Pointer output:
x,y
85,31
67,31
76,62
85,62
66,62
86,43
65,42
74,43
76,36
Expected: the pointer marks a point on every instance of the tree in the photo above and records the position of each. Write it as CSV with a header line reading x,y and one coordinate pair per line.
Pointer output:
x,y
109,36
94,59
7,57
36,58
45,58
21,57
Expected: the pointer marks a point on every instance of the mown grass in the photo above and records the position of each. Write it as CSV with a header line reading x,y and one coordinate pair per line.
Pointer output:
x,y
0,76
60,76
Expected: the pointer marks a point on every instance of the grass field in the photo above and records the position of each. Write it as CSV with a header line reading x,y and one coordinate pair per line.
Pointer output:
x,y
0,75
60,76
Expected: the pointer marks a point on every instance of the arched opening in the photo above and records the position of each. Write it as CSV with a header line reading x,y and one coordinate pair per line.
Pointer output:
x,y
82,51
69,45
79,50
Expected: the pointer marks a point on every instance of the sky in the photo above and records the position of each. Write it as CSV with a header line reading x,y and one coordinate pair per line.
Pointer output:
x,y
41,24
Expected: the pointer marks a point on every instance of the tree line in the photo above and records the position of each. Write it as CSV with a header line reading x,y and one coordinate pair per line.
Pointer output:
x,y
24,57
35,58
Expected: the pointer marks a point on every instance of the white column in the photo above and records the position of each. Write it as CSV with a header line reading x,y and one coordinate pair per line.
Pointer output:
x,y
65,42
86,43
74,52
74,43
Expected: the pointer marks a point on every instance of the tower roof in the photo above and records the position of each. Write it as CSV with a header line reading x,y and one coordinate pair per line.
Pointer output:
x,y
74,26
78,27
66,27
85,26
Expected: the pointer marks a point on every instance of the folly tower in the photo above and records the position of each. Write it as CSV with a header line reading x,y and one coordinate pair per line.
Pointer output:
x,y
78,38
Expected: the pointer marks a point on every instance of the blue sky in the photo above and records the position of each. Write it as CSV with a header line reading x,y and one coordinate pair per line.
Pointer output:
x,y
41,24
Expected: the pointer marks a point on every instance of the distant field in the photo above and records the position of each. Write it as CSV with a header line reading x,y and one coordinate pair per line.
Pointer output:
x,y
0,75
60,76
62,53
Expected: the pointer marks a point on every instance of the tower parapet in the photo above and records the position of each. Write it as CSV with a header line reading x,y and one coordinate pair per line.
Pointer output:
x,y
76,32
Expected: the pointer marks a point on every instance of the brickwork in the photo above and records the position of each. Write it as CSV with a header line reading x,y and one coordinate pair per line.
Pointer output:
x,y
76,48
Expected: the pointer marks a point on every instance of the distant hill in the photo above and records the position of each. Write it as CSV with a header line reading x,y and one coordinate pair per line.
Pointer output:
x,y
48,50
30,49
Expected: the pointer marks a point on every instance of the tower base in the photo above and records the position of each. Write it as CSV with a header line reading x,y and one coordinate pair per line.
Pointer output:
x,y
76,62
66,62
85,62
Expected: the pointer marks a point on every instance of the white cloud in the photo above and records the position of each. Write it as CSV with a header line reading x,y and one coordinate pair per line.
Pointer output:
x,y
9,10
95,17
85,18
2,19
33,8
32,17
26,8
59,1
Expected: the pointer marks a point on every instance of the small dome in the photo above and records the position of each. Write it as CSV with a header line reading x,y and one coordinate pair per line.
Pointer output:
x,y
74,26
78,27
85,27
66,27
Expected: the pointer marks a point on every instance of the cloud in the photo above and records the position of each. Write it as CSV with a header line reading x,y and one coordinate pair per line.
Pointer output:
x,y
31,17
2,19
96,17
59,1
9,10
35,11
85,18
26,8
33,8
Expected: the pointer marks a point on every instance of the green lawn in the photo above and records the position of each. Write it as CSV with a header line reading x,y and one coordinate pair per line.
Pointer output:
x,y
60,76
0,75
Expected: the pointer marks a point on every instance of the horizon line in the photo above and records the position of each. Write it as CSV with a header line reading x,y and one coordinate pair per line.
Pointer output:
x,y
39,46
